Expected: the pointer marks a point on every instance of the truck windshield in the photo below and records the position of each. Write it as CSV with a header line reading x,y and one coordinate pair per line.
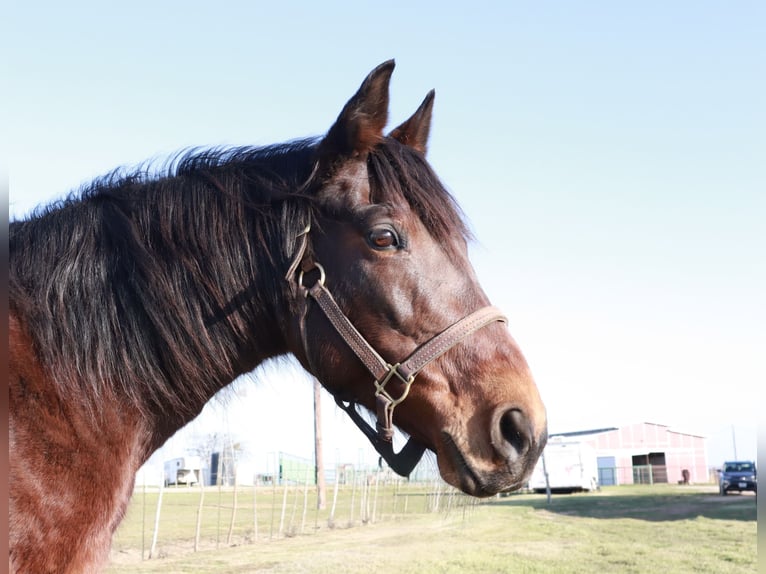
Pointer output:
x,y
739,467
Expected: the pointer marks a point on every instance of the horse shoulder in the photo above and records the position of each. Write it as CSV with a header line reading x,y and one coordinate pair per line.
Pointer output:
x,y
70,480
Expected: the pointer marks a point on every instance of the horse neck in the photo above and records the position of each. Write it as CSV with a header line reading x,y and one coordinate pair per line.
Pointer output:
x,y
233,315
152,311
120,330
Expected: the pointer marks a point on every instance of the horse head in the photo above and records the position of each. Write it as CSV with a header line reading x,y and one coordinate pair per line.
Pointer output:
x,y
388,248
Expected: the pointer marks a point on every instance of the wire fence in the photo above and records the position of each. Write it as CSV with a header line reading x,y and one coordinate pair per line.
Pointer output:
x,y
172,520
653,474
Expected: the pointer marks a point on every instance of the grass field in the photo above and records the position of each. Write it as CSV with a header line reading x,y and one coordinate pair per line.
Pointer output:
x,y
661,528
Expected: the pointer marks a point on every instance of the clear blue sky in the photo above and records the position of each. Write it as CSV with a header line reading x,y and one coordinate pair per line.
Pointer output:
x,y
608,155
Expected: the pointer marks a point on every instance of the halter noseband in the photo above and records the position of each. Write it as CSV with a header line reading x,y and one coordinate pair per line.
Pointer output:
x,y
384,373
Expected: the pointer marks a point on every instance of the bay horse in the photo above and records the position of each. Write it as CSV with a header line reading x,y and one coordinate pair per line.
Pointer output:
x,y
133,301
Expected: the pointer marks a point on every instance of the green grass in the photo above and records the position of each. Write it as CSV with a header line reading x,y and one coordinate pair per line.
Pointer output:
x,y
661,528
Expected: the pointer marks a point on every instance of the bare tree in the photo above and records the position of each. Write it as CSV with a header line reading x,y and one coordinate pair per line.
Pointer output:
x,y
204,446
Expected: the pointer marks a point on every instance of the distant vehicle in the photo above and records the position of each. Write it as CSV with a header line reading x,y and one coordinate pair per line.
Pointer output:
x,y
571,466
183,470
738,475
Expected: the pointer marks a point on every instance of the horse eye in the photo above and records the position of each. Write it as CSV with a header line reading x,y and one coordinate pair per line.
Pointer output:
x,y
383,238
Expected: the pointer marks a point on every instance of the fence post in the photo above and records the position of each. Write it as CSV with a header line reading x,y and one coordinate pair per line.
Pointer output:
x,y
331,519
291,527
406,503
199,514
306,499
218,525
363,514
255,510
143,520
437,496
157,519
450,499
375,500
273,502
233,510
353,499
395,501
282,516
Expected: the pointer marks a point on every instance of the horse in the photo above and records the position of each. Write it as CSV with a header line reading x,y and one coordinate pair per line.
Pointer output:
x,y
133,300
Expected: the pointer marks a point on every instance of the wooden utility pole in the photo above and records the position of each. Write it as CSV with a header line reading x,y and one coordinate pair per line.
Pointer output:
x,y
319,469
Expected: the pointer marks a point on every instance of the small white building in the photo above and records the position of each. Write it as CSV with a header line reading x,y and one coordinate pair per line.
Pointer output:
x,y
570,465
183,470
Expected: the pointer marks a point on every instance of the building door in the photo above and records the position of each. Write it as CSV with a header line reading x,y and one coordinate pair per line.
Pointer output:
x,y
607,470
659,468
649,468
641,470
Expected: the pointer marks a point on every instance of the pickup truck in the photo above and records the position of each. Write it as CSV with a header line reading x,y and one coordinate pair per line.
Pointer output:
x,y
738,475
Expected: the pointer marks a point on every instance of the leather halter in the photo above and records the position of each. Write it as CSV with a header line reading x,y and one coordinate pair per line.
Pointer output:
x,y
385,374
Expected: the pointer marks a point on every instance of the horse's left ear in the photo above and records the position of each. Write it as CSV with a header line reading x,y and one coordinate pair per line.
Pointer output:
x,y
414,132
360,125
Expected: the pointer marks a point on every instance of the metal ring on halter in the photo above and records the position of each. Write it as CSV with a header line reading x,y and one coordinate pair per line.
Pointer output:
x,y
381,386
322,276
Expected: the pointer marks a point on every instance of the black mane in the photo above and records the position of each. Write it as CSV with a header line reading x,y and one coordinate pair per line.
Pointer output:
x,y
151,283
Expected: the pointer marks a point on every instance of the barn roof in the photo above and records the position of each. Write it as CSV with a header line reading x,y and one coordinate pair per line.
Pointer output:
x,y
609,429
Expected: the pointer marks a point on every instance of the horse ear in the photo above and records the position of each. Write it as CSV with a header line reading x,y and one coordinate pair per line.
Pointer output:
x,y
360,125
414,132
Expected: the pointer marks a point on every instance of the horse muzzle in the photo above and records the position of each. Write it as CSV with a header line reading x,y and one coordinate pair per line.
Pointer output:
x,y
515,442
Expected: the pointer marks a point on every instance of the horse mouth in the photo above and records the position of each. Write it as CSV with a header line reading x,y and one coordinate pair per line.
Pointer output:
x,y
471,481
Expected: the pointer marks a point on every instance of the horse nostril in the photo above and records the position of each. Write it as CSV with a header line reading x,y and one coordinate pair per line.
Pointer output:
x,y
514,434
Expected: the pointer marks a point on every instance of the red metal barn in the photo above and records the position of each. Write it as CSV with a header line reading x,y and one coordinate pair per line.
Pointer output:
x,y
645,453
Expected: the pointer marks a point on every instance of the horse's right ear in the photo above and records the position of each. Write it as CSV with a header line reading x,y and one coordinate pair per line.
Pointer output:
x,y
360,125
414,132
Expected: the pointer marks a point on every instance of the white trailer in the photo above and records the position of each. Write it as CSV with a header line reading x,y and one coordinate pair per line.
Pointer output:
x,y
570,466
183,470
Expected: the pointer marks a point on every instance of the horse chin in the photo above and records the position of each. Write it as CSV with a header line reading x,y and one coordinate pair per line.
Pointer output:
x,y
459,472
